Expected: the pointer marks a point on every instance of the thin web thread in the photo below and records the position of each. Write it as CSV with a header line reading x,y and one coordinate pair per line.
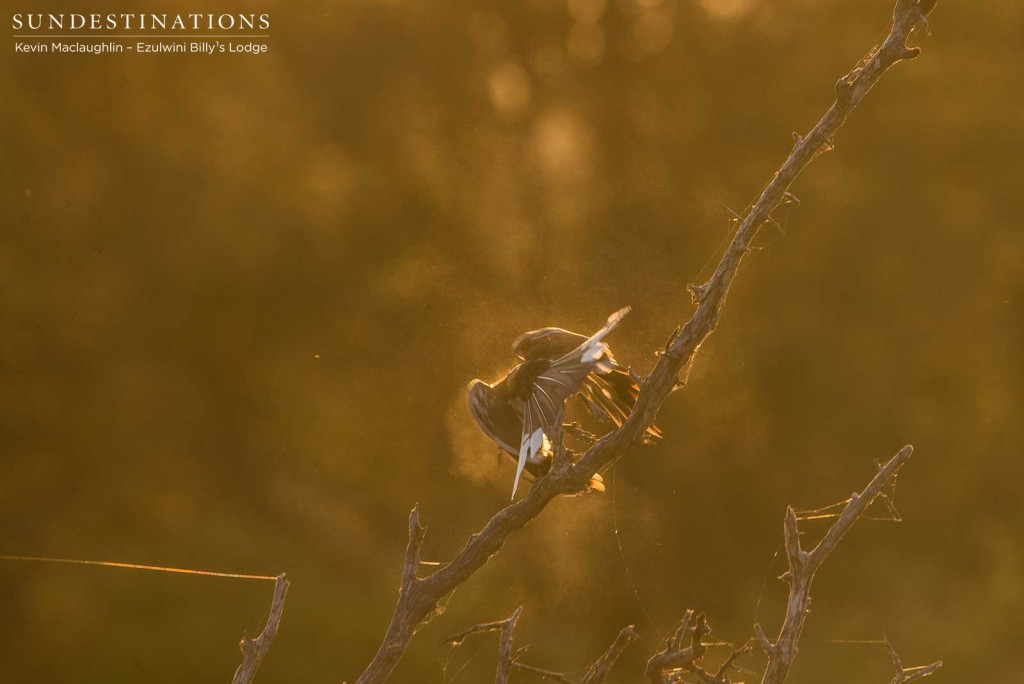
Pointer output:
x,y
625,565
764,582
137,566
444,671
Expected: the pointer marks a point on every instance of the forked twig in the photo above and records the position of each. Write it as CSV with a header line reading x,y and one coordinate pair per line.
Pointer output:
x,y
682,652
907,674
803,564
509,660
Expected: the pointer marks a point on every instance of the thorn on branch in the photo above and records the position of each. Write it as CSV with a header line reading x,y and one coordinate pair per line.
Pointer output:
x,y
734,216
844,88
697,295
778,226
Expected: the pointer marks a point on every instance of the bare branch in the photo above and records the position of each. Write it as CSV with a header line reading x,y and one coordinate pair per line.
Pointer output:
x,y
603,666
505,656
731,660
680,632
509,660
506,627
803,565
674,657
911,673
412,550
763,639
710,296
418,599
482,628
791,536
856,506
254,650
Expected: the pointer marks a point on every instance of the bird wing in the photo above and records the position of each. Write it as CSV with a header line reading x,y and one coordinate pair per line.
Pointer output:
x,y
612,396
553,386
498,419
593,350
531,445
546,343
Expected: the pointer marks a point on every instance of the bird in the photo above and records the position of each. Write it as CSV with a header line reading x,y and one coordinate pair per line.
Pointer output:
x,y
609,392
521,411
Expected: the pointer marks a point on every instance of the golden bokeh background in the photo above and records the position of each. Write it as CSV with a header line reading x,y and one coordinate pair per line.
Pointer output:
x,y
242,297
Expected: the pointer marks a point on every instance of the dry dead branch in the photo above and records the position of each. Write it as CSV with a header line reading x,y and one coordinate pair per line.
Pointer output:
x,y
804,564
909,673
603,666
419,596
254,650
509,660
682,651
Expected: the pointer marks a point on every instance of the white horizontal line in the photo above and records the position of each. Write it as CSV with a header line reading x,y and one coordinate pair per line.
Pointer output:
x,y
206,35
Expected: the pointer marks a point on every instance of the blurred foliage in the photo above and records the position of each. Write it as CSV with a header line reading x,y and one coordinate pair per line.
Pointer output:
x,y
242,298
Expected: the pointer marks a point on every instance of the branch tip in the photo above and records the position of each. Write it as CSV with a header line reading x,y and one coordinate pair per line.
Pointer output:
x,y
909,673
255,650
412,550
792,540
597,672
766,645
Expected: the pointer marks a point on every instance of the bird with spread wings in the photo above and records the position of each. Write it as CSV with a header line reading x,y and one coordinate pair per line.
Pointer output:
x,y
521,411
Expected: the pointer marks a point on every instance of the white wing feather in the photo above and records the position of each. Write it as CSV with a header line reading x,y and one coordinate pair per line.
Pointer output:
x,y
593,351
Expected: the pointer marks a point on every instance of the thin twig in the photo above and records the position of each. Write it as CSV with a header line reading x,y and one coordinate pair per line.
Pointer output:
x,y
597,672
418,599
803,565
254,650
674,658
412,550
505,656
482,628
506,627
509,660
909,673
542,673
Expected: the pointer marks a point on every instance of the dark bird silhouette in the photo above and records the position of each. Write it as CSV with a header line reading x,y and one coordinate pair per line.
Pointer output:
x,y
521,411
